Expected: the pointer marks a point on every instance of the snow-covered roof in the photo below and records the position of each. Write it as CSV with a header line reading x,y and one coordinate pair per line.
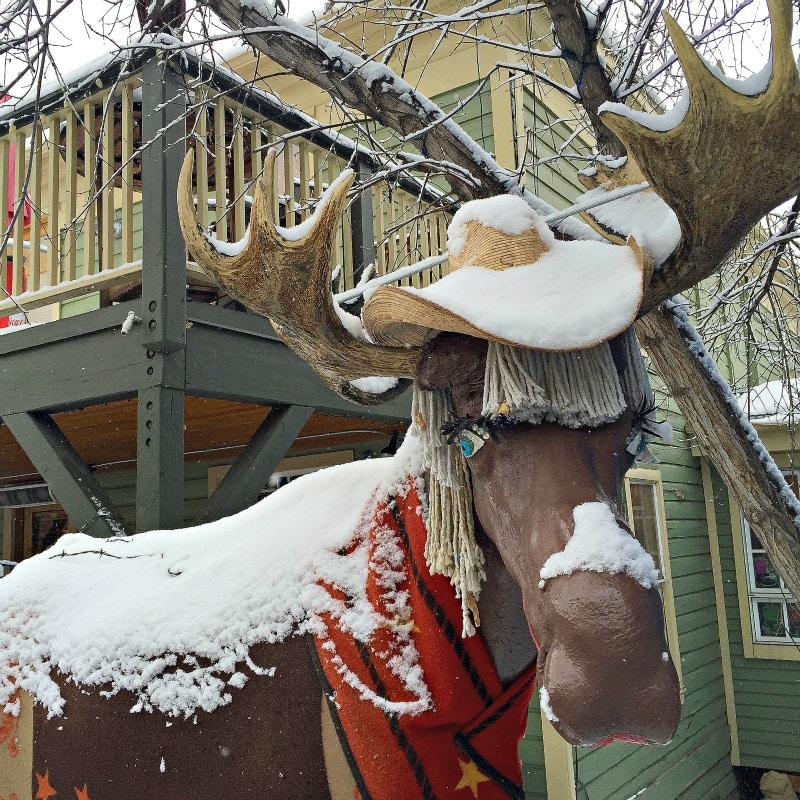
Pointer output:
x,y
772,403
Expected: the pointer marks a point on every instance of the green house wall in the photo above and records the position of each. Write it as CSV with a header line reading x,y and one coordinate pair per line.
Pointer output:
x,y
766,691
553,177
696,764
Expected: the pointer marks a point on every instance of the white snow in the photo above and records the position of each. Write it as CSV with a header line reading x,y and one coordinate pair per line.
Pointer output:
x,y
771,403
375,384
645,216
599,544
544,702
503,213
655,122
139,613
573,296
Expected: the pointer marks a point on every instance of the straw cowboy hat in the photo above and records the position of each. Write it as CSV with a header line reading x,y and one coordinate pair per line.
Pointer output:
x,y
511,281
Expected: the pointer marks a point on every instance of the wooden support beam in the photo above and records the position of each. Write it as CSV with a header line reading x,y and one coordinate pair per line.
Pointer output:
x,y
159,459
249,475
163,249
363,236
70,481
159,446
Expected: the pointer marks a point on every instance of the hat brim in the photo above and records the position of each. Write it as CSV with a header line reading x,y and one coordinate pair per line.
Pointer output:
x,y
576,296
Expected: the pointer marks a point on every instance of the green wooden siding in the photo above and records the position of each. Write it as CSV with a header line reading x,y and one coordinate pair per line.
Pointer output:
x,y
476,116
121,487
89,302
766,691
553,176
696,764
531,752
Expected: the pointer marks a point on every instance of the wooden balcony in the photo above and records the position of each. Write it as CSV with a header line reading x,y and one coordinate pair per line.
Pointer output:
x,y
101,243
84,234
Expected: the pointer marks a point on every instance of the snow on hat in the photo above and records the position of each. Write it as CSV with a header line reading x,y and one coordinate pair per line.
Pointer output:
x,y
512,281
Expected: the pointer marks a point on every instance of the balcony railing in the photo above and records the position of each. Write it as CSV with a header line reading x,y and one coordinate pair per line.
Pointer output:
x,y
76,243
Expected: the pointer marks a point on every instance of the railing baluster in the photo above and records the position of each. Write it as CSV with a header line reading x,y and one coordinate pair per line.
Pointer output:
x,y
288,183
201,155
52,208
17,281
107,191
256,156
393,232
4,164
90,215
237,194
317,165
305,189
220,170
440,221
71,185
35,194
380,232
126,155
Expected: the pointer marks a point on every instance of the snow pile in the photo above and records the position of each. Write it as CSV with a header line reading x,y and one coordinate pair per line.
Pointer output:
x,y
171,615
575,295
544,703
772,403
645,216
599,544
504,213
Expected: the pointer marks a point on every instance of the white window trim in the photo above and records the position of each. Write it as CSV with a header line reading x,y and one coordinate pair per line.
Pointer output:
x,y
653,477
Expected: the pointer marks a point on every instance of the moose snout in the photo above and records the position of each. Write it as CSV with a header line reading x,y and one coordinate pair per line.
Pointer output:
x,y
605,670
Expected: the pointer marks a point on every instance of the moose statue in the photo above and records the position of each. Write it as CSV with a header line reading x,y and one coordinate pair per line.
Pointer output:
x,y
377,630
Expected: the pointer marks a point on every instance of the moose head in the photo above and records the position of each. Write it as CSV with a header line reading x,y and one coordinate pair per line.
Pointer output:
x,y
529,419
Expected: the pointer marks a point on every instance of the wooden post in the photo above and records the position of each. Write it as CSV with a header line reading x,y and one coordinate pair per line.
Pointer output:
x,y
160,468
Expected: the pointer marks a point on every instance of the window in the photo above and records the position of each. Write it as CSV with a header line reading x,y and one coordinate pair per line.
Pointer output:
x,y
28,530
774,613
644,499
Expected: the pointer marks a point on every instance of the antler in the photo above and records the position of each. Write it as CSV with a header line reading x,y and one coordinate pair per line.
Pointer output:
x,y
732,158
287,280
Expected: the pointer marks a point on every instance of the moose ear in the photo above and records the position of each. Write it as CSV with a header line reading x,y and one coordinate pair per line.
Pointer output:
x,y
456,363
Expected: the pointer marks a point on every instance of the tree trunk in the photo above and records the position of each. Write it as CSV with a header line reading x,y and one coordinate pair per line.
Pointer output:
x,y
578,44
730,441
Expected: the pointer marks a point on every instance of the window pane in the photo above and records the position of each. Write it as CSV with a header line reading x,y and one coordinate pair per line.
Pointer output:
x,y
764,573
755,544
645,519
770,619
47,528
793,614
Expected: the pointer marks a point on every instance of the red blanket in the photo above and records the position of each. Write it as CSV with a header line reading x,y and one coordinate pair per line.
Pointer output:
x,y
465,745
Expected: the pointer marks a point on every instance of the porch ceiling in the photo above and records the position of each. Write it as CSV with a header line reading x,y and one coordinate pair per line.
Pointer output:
x,y
105,435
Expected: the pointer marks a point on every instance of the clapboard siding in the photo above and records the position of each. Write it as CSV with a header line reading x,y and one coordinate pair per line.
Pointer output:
x,y
121,488
552,175
766,691
696,764
531,753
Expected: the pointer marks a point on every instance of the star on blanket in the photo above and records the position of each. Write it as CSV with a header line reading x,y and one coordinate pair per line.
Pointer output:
x,y
83,794
471,777
44,790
